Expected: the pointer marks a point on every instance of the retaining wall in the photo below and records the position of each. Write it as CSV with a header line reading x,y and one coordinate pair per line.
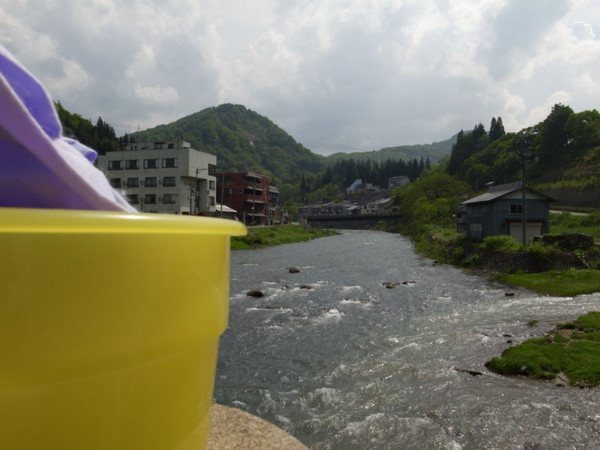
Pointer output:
x,y
505,262
574,197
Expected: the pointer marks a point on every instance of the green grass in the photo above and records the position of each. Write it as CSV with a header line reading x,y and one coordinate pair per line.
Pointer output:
x,y
570,223
276,235
561,283
576,354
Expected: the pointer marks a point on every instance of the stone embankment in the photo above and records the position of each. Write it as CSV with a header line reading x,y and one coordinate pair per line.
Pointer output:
x,y
501,261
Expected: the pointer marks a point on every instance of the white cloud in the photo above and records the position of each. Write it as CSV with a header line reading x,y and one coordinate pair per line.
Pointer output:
x,y
336,73
72,81
540,112
588,84
156,95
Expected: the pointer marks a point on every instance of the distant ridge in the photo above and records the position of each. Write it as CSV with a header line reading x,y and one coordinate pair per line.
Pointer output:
x,y
244,140
433,151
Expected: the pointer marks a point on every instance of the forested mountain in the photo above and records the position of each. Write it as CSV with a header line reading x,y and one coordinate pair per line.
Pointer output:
x,y
433,152
101,137
564,147
242,140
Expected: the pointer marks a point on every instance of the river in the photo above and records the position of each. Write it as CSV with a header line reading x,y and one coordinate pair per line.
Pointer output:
x,y
340,361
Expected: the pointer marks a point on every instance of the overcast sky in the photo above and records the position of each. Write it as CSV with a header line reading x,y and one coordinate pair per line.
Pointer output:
x,y
338,75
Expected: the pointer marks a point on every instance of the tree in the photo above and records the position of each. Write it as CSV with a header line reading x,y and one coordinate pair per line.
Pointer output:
x,y
431,199
583,129
352,173
553,137
466,145
496,129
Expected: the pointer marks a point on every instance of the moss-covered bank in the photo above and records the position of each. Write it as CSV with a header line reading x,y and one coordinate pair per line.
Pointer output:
x,y
276,235
571,351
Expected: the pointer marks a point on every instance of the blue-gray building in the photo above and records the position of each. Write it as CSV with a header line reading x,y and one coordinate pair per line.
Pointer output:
x,y
500,211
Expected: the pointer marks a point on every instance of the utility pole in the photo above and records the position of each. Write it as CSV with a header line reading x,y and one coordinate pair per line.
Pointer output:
x,y
196,206
523,143
524,201
222,191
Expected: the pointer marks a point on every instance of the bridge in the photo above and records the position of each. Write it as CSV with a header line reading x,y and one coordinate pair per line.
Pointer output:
x,y
349,221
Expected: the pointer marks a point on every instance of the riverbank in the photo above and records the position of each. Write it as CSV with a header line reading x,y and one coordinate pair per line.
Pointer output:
x,y
277,235
533,358
349,363
558,283
570,353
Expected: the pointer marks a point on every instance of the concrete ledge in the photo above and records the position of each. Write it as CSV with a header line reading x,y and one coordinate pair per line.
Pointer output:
x,y
232,428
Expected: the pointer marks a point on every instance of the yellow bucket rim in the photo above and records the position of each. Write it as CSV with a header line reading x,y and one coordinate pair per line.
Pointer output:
x,y
37,220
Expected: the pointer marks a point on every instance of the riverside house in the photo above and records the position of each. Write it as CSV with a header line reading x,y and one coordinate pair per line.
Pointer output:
x,y
500,211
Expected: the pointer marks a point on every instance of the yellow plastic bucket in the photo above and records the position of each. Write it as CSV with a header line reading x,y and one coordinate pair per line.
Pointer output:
x,y
109,327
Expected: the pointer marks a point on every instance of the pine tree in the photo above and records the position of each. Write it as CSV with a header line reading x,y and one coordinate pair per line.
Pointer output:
x,y
496,129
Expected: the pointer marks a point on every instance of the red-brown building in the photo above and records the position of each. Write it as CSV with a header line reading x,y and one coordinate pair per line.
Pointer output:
x,y
249,194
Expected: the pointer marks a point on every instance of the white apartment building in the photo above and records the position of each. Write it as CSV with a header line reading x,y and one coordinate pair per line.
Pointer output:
x,y
163,177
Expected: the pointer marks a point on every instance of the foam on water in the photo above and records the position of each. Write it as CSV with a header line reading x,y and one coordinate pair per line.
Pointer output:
x,y
351,364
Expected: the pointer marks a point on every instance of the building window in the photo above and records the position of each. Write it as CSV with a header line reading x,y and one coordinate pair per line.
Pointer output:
x,y
133,182
150,182
211,201
132,164
516,208
169,181
151,164
169,163
150,199
114,165
133,199
115,182
212,170
169,199
211,184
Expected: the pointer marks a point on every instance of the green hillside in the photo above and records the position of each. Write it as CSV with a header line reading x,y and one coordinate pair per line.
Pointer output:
x,y
561,151
433,151
242,140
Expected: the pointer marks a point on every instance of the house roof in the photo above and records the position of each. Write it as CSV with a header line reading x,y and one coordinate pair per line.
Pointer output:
x,y
224,208
499,191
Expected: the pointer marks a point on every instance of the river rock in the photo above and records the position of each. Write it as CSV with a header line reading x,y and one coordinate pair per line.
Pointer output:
x,y
273,306
474,373
306,286
293,269
393,284
255,293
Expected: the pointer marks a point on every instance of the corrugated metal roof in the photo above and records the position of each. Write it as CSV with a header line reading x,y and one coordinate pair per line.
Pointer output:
x,y
489,196
496,192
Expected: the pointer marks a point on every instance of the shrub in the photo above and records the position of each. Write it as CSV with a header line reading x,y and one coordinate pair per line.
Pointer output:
x,y
500,242
578,357
543,254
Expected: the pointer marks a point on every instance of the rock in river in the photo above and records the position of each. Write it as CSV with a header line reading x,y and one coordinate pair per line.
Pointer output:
x,y
255,293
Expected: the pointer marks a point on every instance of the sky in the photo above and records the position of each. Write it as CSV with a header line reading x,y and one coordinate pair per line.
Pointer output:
x,y
337,75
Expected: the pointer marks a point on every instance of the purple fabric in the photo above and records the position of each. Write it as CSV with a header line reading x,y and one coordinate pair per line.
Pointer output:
x,y
39,168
